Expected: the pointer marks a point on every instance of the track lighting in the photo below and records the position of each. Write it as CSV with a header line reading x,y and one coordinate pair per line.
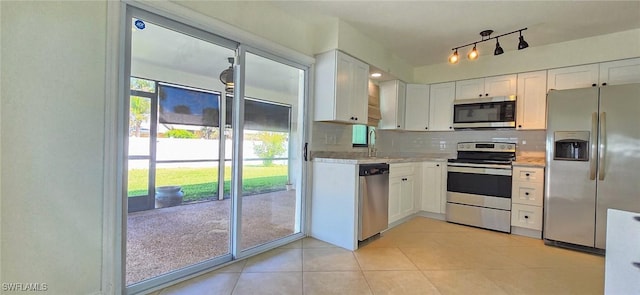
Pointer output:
x,y
473,54
486,36
523,44
499,49
454,57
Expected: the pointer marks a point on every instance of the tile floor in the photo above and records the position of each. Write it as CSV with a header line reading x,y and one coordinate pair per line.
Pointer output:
x,y
421,256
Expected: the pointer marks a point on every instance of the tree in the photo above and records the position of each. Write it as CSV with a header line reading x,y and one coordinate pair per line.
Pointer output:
x,y
271,144
139,111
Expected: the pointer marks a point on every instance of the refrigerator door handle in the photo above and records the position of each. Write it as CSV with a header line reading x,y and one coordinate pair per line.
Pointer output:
x,y
594,138
603,145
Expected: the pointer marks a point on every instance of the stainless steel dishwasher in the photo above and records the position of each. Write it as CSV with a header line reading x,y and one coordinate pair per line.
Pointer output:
x,y
373,200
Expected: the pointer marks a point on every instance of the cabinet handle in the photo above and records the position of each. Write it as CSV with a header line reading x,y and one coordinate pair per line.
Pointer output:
x,y
437,165
527,175
426,128
526,194
351,118
480,95
450,127
636,264
526,217
519,126
356,118
604,84
486,94
594,85
637,218
398,126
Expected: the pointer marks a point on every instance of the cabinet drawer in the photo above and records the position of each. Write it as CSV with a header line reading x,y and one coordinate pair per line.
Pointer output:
x,y
528,174
527,193
526,216
396,170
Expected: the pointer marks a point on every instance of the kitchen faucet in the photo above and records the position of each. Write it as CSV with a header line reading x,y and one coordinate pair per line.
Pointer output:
x,y
372,147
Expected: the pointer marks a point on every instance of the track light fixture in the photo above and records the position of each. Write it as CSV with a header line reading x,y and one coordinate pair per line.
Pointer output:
x,y
486,36
499,49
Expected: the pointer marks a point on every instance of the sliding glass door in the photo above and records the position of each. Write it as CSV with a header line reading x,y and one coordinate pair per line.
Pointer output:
x,y
271,164
214,167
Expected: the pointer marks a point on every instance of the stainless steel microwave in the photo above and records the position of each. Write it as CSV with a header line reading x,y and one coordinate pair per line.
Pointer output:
x,y
488,112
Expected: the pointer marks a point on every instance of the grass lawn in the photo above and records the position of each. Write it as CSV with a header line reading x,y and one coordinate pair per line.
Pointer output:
x,y
202,183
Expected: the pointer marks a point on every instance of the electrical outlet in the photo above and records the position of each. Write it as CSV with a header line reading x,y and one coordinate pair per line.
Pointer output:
x,y
524,142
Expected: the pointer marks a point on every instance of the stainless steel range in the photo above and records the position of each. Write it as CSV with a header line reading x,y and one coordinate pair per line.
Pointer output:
x,y
479,185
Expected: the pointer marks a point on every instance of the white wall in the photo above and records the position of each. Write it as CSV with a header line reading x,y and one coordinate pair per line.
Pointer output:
x,y
601,48
52,120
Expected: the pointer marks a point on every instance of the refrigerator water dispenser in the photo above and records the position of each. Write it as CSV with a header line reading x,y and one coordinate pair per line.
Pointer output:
x,y
571,146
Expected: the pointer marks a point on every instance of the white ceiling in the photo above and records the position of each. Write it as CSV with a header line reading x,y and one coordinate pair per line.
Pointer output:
x,y
424,32
420,32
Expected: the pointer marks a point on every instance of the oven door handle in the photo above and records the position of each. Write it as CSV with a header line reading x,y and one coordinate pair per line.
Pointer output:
x,y
478,170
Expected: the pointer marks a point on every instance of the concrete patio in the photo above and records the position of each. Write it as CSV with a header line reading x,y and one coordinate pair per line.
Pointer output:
x,y
166,239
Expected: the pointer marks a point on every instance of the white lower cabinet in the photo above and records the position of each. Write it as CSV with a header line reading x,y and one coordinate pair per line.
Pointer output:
x,y
433,187
527,195
402,190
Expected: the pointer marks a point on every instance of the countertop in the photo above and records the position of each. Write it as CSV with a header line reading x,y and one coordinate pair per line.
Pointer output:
x,y
529,162
383,159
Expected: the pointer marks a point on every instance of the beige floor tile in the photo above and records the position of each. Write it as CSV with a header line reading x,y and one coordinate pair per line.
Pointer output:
x,y
275,260
416,240
440,258
276,283
326,283
214,284
234,267
548,281
399,282
462,282
293,245
314,243
328,259
422,224
383,259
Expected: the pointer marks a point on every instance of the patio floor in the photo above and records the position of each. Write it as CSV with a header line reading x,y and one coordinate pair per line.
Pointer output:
x,y
162,240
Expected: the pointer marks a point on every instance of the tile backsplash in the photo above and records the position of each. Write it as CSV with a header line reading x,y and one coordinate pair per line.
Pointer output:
x,y
527,142
337,138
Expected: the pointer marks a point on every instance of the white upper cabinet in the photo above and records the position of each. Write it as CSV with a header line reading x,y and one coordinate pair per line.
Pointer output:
x,y
416,117
392,104
485,87
441,98
341,88
573,77
620,72
531,102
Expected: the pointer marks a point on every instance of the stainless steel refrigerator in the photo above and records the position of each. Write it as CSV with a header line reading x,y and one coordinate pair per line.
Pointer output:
x,y
593,161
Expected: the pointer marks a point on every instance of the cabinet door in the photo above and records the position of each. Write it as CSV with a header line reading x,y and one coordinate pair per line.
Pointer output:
x,y
417,108
620,72
531,108
432,196
392,104
395,184
344,88
407,196
441,106
573,77
468,89
500,85
359,101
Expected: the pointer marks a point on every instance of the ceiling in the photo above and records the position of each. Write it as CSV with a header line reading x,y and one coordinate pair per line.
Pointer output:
x,y
424,32
419,32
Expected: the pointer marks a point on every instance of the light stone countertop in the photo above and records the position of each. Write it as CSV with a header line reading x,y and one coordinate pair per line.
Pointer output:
x,y
383,159
530,162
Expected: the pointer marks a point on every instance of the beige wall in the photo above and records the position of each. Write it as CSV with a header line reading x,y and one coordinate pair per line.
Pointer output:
x,y
601,48
53,85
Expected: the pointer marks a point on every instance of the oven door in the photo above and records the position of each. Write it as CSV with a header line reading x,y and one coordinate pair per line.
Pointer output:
x,y
484,113
487,181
